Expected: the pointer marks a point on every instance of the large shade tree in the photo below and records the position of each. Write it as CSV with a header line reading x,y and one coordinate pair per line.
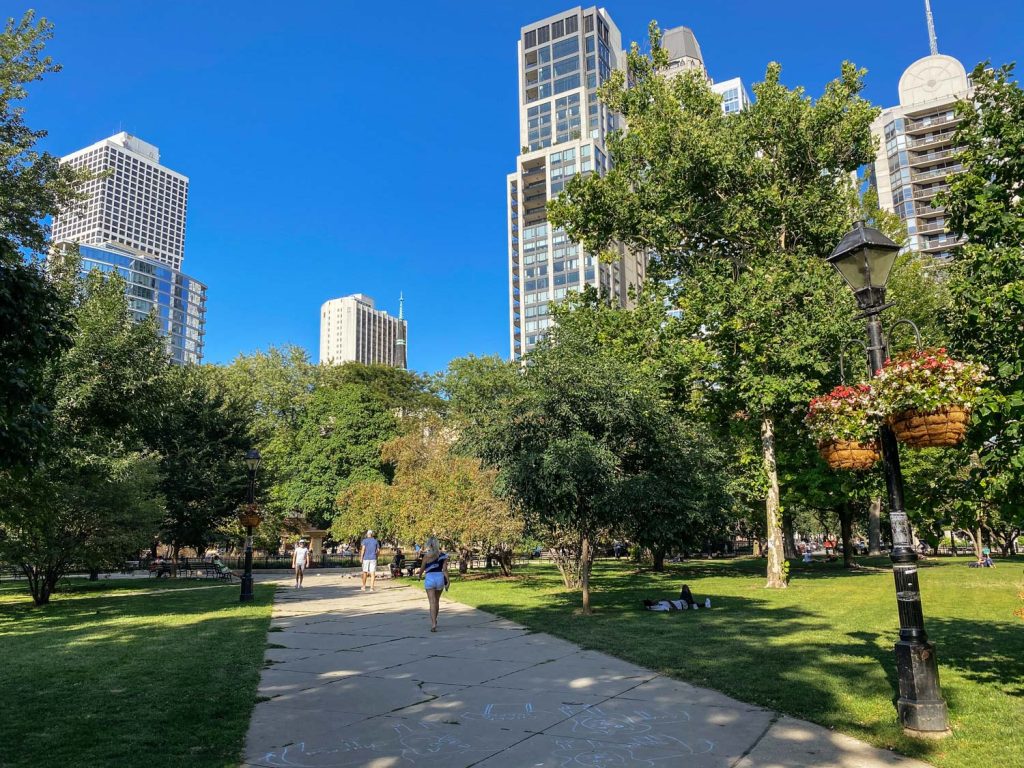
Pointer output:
x,y
34,320
986,281
91,499
738,211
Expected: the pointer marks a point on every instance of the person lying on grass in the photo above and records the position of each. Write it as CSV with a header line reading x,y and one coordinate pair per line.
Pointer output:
x,y
686,600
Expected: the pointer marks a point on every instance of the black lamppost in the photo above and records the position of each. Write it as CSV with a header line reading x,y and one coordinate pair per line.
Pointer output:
x,y
864,258
252,463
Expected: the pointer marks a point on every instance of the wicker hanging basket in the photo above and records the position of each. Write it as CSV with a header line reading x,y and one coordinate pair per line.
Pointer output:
x,y
249,516
847,454
937,429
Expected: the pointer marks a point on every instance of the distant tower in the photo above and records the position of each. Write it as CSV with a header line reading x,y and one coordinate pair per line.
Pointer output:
x,y
917,152
401,360
352,328
933,43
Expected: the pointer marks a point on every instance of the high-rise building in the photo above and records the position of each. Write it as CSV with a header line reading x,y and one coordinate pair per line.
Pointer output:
x,y
563,129
132,221
132,201
352,329
177,301
917,153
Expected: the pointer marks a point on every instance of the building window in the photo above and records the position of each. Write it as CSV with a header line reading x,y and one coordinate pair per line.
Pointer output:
x,y
542,34
530,38
557,30
572,24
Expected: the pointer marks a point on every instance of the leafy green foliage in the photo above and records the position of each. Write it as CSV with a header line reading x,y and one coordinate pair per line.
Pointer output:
x,y
201,435
986,281
33,186
91,499
738,211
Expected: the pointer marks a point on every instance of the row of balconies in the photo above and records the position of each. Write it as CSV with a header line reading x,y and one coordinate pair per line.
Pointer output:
x,y
928,158
927,123
933,138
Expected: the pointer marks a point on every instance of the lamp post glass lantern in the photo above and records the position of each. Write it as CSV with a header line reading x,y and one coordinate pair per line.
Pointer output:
x,y
252,463
864,259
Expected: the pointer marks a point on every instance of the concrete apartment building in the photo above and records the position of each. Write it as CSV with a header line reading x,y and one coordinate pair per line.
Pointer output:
x,y
916,150
352,329
132,222
139,204
563,129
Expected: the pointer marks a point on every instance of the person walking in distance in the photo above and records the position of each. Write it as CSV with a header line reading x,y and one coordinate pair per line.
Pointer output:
x,y
300,559
368,554
435,577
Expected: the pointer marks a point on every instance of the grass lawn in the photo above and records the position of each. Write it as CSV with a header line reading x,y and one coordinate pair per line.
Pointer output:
x,y
129,673
820,650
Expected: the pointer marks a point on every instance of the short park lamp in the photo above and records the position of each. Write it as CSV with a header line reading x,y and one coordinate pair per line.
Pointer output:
x,y
865,258
249,517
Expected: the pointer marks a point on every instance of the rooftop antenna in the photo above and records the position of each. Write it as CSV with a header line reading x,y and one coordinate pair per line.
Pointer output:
x,y
933,43
400,351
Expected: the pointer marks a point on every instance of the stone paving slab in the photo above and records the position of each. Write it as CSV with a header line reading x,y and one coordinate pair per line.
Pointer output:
x,y
361,681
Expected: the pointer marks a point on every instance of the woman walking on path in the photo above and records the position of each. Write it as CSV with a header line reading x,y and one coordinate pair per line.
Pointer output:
x,y
435,577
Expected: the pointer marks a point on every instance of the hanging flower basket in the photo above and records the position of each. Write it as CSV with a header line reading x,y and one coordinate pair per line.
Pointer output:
x,y
938,429
249,515
849,454
845,427
927,397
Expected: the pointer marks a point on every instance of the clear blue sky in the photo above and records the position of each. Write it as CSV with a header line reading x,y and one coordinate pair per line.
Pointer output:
x,y
337,147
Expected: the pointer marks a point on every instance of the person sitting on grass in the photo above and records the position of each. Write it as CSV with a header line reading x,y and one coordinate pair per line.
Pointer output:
x,y
398,562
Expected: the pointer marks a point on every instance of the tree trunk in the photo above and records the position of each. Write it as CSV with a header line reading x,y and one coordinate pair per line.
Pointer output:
x,y
658,558
586,560
875,526
788,538
174,557
463,560
776,568
977,541
952,542
568,562
846,532
94,574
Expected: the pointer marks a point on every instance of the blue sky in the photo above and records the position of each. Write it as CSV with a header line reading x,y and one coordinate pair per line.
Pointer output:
x,y
343,147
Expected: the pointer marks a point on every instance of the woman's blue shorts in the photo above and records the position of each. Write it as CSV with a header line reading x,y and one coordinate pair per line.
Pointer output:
x,y
433,581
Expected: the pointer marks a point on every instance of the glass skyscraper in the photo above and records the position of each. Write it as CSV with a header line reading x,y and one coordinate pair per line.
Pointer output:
x,y
563,127
176,300
132,220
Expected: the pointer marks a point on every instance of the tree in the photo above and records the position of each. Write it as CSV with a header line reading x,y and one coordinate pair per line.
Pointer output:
x,y
201,435
986,281
339,436
434,492
91,499
738,211
676,500
33,186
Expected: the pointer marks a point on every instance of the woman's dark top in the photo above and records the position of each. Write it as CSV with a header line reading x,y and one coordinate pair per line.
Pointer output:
x,y
437,566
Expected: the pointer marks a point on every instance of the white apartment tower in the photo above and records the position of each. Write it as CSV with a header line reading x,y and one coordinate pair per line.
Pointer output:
x,y
132,201
352,329
563,129
916,149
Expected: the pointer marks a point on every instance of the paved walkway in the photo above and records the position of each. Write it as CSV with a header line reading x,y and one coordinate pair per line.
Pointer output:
x,y
357,679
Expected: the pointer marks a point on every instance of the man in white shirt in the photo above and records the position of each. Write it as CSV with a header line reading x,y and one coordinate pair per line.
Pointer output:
x,y
300,558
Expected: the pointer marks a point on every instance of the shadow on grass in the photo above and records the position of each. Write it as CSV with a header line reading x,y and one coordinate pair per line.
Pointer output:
x,y
823,652
116,674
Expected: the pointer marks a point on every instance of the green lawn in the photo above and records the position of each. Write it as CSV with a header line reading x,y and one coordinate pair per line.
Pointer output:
x,y
129,673
820,650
